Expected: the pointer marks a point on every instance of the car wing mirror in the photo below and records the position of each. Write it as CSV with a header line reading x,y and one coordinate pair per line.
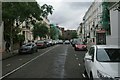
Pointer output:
x,y
33,45
89,58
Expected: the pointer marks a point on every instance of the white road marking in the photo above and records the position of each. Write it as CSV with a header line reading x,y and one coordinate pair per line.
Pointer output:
x,y
8,64
20,59
63,71
83,75
77,58
79,64
26,63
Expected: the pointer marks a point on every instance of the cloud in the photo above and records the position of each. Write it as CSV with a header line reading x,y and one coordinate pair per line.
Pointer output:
x,y
68,14
78,5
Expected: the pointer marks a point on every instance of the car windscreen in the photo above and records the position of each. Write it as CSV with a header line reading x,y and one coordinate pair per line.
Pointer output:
x,y
40,42
66,41
108,55
78,42
28,44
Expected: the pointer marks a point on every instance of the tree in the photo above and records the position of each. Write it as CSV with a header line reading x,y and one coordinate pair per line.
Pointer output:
x,y
74,35
46,9
20,12
40,30
61,37
53,32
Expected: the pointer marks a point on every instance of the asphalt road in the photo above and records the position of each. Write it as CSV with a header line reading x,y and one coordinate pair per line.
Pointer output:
x,y
59,61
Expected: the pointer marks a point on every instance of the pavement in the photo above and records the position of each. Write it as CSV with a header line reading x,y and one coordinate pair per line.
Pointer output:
x,y
6,55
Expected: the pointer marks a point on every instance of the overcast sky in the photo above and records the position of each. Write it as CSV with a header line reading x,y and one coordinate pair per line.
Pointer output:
x,y
67,13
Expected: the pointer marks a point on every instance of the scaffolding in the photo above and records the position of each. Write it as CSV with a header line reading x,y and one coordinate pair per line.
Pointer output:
x,y
105,21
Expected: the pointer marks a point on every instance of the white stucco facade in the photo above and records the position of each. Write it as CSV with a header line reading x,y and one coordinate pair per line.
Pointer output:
x,y
1,37
78,31
113,39
26,31
92,20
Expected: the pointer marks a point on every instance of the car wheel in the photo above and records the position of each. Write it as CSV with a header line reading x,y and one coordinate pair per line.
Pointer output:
x,y
91,76
75,49
32,51
85,73
36,50
20,53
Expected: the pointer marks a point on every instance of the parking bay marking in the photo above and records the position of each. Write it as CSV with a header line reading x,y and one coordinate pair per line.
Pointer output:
x,y
75,55
26,63
83,75
77,58
20,59
8,64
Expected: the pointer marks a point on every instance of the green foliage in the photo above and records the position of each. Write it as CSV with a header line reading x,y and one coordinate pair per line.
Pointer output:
x,y
46,9
74,35
61,37
106,17
40,30
19,38
21,11
53,32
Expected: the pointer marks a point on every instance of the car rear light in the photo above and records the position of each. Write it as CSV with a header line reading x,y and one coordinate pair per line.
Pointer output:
x,y
76,45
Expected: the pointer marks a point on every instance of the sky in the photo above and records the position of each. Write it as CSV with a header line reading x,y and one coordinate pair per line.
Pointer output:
x,y
67,13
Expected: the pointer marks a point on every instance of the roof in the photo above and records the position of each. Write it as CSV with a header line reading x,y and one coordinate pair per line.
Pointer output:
x,y
107,46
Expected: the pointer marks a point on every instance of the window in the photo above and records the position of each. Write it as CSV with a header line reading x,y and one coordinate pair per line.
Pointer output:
x,y
108,55
23,32
91,51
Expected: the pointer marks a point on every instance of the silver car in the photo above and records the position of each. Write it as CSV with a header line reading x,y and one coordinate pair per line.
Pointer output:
x,y
28,48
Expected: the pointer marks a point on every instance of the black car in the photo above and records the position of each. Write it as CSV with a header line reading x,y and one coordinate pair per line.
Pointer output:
x,y
28,48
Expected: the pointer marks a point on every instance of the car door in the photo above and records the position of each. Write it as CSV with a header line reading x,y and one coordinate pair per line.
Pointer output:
x,y
89,60
33,47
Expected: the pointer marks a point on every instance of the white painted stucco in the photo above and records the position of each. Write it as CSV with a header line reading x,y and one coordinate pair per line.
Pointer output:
x,y
114,24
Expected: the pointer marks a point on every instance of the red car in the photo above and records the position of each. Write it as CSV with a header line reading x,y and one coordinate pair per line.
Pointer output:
x,y
80,46
41,44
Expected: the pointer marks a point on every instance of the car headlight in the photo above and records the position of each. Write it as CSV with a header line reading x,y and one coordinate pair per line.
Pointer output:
x,y
104,76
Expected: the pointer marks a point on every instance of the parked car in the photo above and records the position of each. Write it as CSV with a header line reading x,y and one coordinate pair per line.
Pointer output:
x,y
60,41
41,44
28,48
80,46
54,42
67,42
102,61
47,43
73,42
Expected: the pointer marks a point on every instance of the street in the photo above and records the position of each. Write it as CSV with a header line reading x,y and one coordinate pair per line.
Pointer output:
x,y
50,40
59,61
